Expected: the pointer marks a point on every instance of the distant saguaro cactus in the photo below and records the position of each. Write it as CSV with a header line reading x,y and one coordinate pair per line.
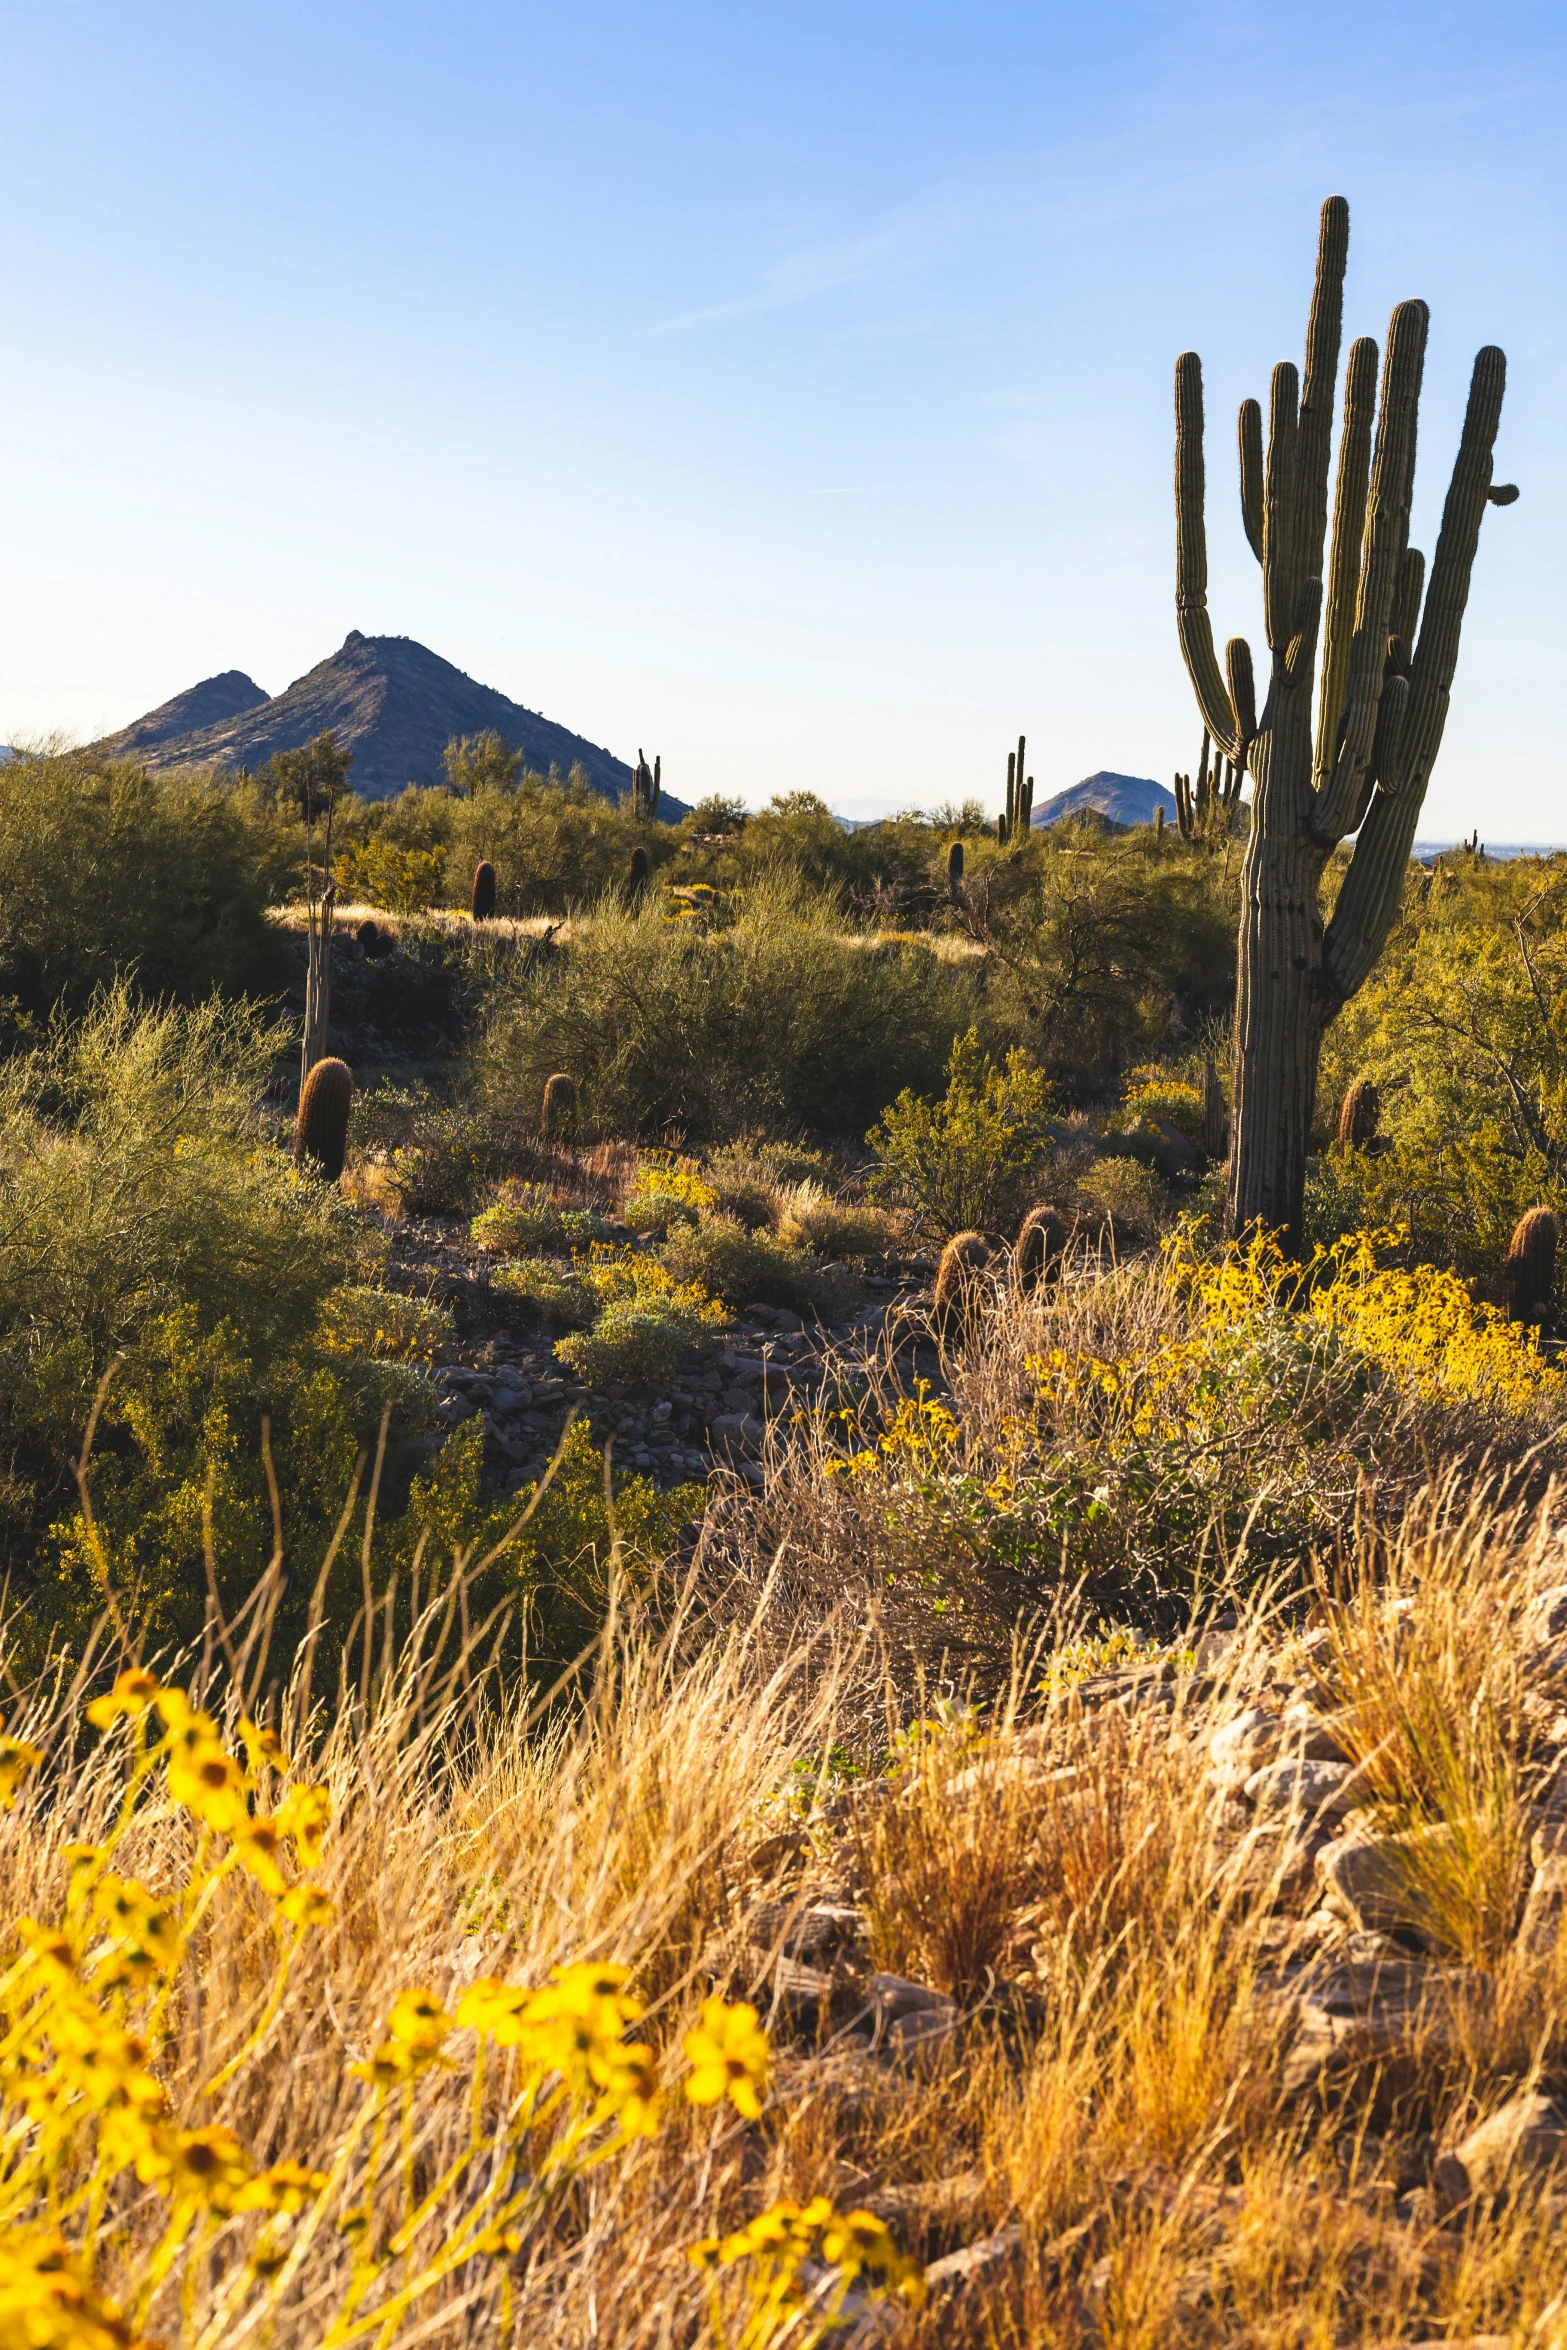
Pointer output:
x,y
636,874
1215,1118
1041,1248
321,1121
1530,1271
558,1112
954,1305
481,898
647,783
1207,813
1357,1118
1020,798
955,866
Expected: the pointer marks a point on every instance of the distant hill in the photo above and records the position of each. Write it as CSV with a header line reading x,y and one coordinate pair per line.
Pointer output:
x,y
1124,799
207,704
392,702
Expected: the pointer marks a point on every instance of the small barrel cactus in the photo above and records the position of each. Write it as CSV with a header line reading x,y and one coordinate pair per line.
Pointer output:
x,y
1530,1271
371,940
321,1121
954,1309
482,897
636,874
1041,1248
954,865
558,1112
1357,1119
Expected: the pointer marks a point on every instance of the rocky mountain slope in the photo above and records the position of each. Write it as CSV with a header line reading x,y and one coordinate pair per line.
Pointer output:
x,y
1124,799
390,701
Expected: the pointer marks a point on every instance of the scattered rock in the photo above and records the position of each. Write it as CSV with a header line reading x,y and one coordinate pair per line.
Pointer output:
x,y
1372,1882
1315,1789
958,2268
1527,2139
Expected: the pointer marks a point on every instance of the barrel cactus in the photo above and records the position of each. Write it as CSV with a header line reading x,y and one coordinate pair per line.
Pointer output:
x,y
371,940
1530,1271
1040,1251
955,1304
321,1121
636,874
1357,1118
558,1112
954,866
482,898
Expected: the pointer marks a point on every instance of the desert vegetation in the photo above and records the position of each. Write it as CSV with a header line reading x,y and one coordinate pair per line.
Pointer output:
x,y
705,1639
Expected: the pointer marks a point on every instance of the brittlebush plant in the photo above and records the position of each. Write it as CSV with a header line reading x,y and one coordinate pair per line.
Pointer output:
x,y
557,2088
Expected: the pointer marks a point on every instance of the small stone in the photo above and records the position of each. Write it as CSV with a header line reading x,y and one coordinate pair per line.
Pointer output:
x,y
1250,1740
958,2267
1373,1881
1314,1788
1527,2138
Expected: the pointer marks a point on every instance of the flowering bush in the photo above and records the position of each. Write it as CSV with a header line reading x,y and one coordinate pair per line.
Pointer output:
x,y
664,1191
973,1159
646,1322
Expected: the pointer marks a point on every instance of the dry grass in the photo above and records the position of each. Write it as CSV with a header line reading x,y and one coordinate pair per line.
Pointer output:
x,y
1064,1866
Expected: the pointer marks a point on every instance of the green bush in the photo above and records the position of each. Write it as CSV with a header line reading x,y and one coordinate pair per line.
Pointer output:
x,y
1128,1195
812,1219
744,1268
528,1217
665,1191
108,872
561,1296
443,1166
972,1161
779,1024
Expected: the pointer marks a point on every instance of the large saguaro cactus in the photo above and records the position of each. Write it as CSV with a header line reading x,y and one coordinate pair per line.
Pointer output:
x,y
1349,730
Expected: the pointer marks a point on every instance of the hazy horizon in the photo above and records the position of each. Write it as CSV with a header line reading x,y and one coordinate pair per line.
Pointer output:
x,y
788,394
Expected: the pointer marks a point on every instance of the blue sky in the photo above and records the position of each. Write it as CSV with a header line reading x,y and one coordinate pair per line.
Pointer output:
x,y
785,387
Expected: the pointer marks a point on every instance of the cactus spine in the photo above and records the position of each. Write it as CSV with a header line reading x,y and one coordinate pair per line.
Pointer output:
x,y
1342,631
1206,813
481,898
646,785
1020,798
558,1110
1530,1271
955,1304
1040,1252
321,1121
1357,1118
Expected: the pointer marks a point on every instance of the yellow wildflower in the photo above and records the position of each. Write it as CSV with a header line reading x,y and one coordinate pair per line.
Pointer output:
x,y
17,1758
46,2303
728,2053
287,2186
419,2021
307,1905
262,1746
259,1846
131,1695
206,2166
305,1813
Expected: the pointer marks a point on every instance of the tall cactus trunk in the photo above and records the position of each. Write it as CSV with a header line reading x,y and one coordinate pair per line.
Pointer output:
x,y
1279,1021
1358,762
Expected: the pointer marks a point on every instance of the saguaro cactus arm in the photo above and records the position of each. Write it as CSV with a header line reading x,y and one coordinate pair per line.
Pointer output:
x,y
1191,564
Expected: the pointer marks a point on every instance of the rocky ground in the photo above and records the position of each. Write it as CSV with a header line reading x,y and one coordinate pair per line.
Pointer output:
x,y
764,1363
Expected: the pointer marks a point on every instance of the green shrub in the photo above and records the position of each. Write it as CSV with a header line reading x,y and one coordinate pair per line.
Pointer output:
x,y
1128,1194
780,1024
528,1217
971,1161
812,1219
442,1167
647,1320
384,1325
665,1191
744,1267
107,872
378,873
561,1296
1156,1093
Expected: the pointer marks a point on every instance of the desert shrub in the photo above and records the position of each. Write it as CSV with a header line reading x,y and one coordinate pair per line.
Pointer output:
x,y
1125,1194
562,1296
149,1237
554,846
666,1190
106,872
741,1266
779,1024
972,1159
528,1217
442,1167
648,1317
379,873
812,1219
1151,1092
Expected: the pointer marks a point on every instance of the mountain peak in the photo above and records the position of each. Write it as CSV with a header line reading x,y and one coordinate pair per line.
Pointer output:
x,y
1123,799
389,700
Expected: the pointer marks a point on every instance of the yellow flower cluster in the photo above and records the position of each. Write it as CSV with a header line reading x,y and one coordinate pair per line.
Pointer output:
x,y
805,2259
667,1189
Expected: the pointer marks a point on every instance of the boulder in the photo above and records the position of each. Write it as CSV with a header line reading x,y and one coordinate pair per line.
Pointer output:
x,y
1526,2139
1316,1789
1374,1881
